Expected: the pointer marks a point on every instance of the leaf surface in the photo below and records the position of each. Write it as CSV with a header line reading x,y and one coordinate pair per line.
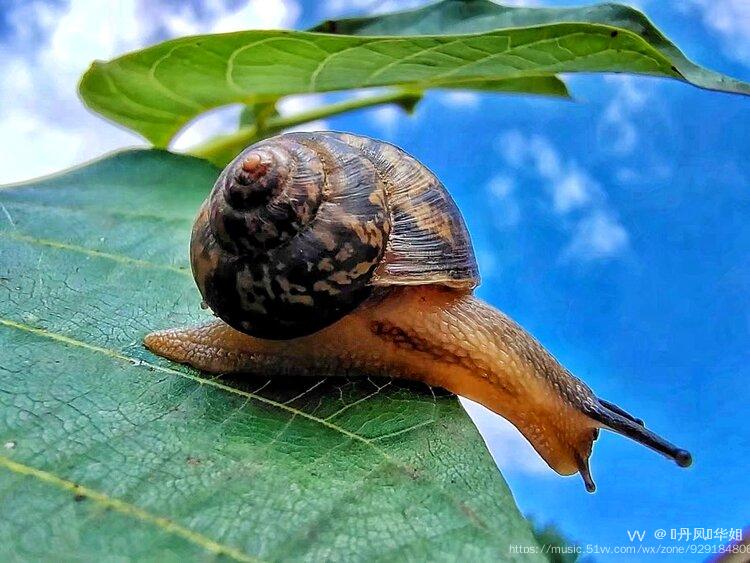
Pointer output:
x,y
110,453
476,16
157,90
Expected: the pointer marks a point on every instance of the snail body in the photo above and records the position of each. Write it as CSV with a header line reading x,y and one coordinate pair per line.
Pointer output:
x,y
329,253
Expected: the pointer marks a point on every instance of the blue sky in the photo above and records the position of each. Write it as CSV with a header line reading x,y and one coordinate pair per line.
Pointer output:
x,y
615,228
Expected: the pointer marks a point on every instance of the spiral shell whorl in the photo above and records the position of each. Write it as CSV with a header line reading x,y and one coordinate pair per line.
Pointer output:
x,y
288,239
265,196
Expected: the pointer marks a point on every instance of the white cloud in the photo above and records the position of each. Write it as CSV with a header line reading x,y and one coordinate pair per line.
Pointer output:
x,y
544,156
506,211
387,118
338,8
573,189
619,127
617,130
730,19
24,152
214,122
511,145
512,452
292,105
569,186
460,99
255,14
297,104
169,19
643,177
502,186
598,236
574,195
43,126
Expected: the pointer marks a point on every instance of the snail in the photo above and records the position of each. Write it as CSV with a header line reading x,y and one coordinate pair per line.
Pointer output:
x,y
330,253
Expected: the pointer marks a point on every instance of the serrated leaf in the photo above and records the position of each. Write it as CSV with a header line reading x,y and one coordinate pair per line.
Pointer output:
x,y
157,90
111,453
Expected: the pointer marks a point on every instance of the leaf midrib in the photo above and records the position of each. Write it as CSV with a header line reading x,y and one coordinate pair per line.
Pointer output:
x,y
179,530
119,258
114,354
126,508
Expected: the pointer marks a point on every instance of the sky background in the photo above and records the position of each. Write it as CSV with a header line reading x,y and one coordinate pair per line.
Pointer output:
x,y
614,227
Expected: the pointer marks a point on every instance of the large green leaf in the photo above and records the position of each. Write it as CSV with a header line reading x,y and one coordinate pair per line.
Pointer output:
x,y
157,90
114,454
473,16
547,85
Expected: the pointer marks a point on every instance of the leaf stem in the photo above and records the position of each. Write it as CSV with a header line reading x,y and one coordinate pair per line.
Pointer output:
x,y
221,149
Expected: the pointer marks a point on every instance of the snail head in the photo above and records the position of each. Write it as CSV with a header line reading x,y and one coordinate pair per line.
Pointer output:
x,y
563,426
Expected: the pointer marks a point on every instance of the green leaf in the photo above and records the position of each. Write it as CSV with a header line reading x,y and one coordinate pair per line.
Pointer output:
x,y
539,85
405,23
157,90
257,114
474,16
112,453
557,548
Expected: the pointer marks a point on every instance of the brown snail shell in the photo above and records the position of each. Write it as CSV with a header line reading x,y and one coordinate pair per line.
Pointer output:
x,y
300,228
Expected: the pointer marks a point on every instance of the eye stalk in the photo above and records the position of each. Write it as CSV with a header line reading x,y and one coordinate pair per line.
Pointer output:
x,y
616,419
585,471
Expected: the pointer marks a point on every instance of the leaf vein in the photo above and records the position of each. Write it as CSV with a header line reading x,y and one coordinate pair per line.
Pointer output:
x,y
126,509
398,61
93,253
231,61
168,91
83,210
201,380
150,110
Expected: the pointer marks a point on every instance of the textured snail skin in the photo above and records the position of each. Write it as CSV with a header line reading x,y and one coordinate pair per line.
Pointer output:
x,y
332,254
440,336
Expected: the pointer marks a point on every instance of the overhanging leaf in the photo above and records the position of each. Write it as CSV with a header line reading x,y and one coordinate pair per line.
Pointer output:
x,y
547,85
157,90
113,453
473,16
